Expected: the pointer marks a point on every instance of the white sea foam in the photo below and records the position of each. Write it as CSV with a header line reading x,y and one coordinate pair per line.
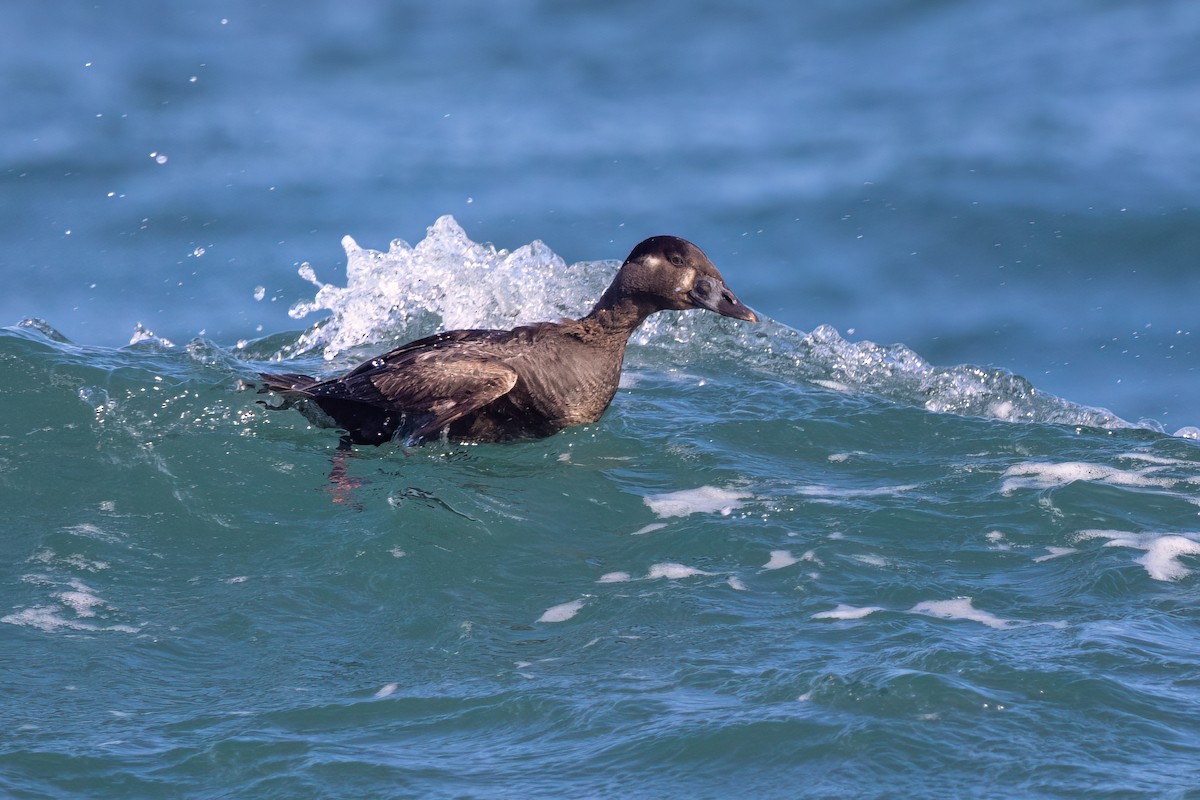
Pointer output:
x,y
1150,458
444,282
872,560
89,531
387,690
1045,475
83,603
1055,552
75,560
704,500
651,528
735,582
615,577
561,612
1163,550
673,571
824,490
825,358
1162,557
959,608
44,618
78,561
1003,409
843,611
834,386
77,607
780,559
50,619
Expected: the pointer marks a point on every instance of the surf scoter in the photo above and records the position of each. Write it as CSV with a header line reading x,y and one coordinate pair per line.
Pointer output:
x,y
529,382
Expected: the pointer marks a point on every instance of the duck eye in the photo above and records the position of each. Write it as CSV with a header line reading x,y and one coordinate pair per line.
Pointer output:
x,y
677,259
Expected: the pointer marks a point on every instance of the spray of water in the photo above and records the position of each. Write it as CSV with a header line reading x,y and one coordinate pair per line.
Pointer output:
x,y
447,281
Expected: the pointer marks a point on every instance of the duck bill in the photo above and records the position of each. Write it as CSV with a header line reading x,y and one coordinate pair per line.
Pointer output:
x,y
714,295
734,308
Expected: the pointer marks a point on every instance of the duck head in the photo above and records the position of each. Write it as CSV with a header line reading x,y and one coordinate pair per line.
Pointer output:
x,y
666,272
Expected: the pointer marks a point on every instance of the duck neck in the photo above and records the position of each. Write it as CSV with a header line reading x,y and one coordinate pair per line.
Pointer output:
x,y
618,316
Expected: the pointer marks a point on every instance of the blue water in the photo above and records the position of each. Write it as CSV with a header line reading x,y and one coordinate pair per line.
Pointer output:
x,y
929,530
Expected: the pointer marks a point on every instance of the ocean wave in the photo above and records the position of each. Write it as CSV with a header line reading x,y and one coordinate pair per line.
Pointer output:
x,y
447,281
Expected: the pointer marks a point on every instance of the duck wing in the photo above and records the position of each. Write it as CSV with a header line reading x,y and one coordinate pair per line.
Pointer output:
x,y
444,388
433,381
468,343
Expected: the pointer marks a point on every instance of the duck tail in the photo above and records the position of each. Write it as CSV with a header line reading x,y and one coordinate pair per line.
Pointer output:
x,y
286,383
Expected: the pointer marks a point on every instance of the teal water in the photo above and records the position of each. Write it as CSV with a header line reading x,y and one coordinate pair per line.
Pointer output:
x,y
929,530
750,576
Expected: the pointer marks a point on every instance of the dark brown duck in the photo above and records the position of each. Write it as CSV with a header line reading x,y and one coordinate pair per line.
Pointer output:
x,y
532,381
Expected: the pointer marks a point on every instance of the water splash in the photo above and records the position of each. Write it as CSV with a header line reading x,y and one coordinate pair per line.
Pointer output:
x,y
447,281
42,327
143,336
898,373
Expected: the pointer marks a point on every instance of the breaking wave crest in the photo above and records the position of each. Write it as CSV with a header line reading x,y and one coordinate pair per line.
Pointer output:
x,y
448,281
445,282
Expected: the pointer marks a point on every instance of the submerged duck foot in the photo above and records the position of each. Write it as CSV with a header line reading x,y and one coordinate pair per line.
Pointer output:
x,y
341,486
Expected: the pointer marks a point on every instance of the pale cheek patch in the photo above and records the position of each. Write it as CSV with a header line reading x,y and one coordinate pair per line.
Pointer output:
x,y
687,280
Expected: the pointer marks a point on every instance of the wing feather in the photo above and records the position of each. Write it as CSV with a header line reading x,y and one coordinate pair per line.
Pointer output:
x,y
433,381
445,388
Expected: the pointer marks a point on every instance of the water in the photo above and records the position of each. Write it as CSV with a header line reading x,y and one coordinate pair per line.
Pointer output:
x,y
928,530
